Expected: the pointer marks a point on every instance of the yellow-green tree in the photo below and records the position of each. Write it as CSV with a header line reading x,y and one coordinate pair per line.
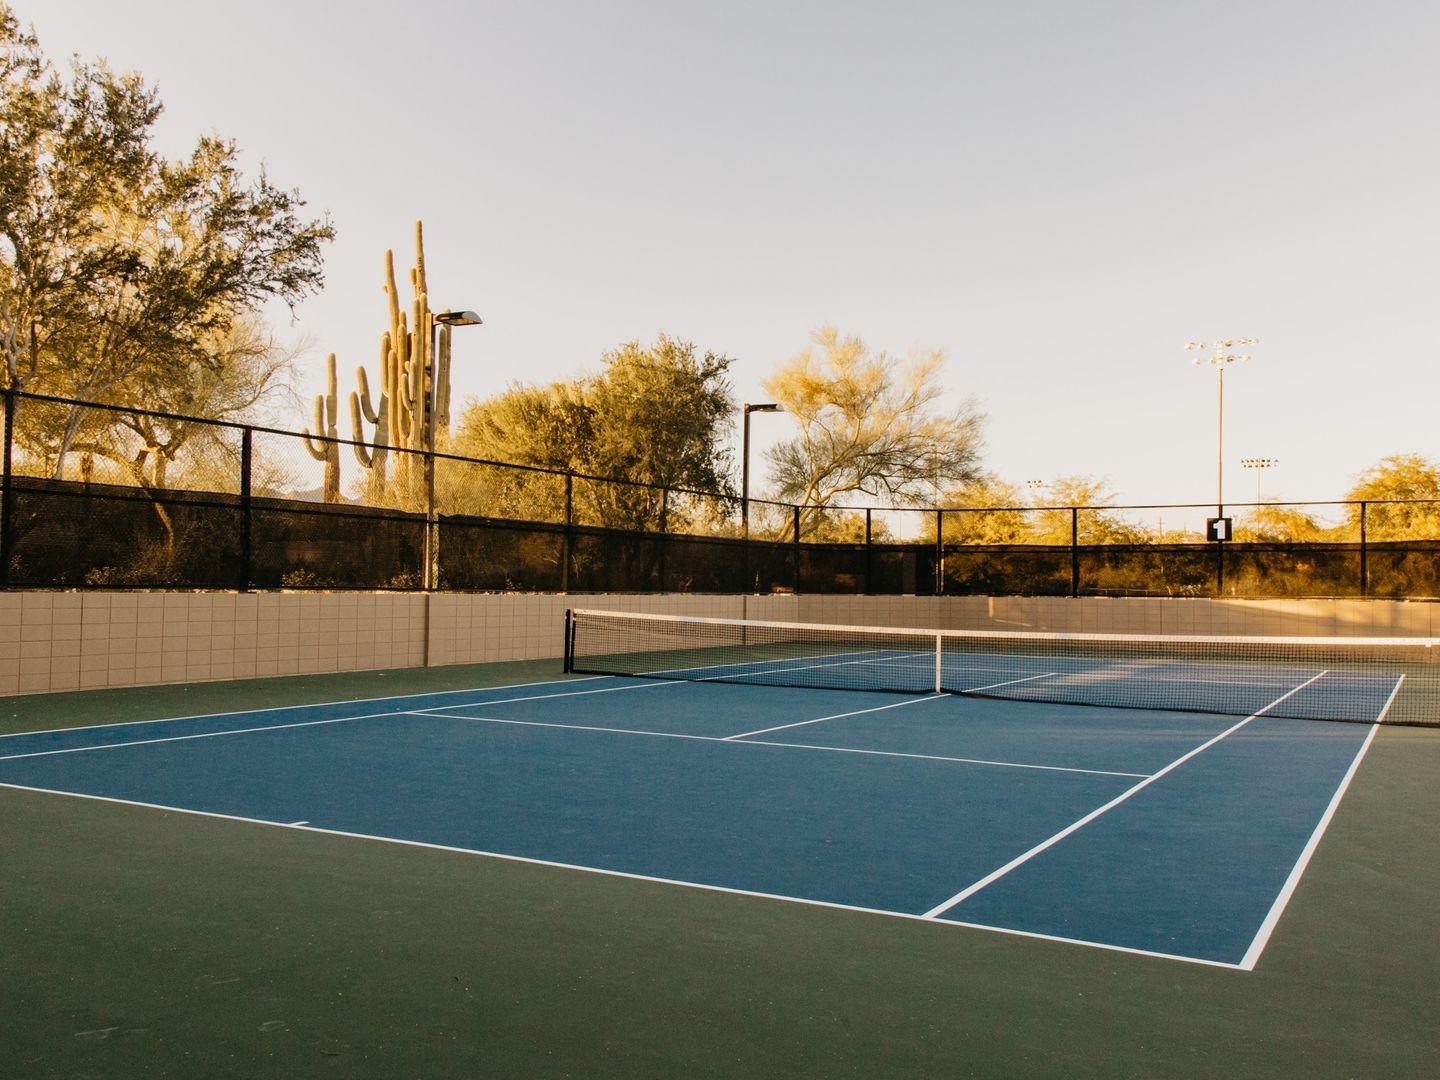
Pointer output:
x,y
656,415
869,423
1399,476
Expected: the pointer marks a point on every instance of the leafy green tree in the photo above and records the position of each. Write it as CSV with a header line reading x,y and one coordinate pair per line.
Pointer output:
x,y
869,424
657,415
123,275
1400,476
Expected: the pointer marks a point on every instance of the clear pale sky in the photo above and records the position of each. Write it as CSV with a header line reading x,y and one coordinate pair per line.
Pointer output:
x,y
1061,194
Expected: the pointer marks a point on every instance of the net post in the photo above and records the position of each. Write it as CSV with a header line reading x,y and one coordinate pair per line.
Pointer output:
x,y
7,501
1074,551
247,551
1364,553
939,654
566,541
569,647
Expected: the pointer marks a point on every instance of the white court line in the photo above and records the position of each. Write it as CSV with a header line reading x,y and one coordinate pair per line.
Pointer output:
x,y
1277,909
899,655
1008,682
1044,845
551,864
837,716
657,684
785,745
199,735
305,705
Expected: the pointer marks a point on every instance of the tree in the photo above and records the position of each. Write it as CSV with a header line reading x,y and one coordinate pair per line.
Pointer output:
x,y
1095,523
123,275
869,423
1273,523
1400,476
656,416
991,514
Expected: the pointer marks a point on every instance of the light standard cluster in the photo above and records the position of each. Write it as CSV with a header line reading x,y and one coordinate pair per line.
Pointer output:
x,y
1220,358
1259,464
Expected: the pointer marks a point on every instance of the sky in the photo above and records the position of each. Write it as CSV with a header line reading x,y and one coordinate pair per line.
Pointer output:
x,y
1059,194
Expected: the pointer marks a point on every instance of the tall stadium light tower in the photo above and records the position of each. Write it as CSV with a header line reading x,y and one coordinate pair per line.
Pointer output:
x,y
1220,358
1259,464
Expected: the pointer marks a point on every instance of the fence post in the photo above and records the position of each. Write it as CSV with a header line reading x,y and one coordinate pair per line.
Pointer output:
x,y
1220,560
869,555
566,543
7,503
939,552
664,540
432,531
1364,553
247,550
1074,551
795,549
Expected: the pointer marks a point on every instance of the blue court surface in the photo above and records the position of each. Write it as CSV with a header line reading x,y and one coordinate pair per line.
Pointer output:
x,y
1175,834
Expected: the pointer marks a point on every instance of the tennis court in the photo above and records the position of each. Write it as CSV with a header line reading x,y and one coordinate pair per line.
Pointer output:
x,y
1175,832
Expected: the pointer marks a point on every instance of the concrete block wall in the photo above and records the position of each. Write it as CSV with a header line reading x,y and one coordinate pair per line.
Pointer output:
x,y
52,641
1133,615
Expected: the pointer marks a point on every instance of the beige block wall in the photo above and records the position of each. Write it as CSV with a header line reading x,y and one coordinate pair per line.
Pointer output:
x,y
53,641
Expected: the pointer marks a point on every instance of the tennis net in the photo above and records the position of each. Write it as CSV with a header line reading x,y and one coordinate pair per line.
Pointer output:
x,y
1361,680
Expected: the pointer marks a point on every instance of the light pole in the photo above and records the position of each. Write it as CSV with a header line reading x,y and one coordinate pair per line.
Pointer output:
x,y
745,464
1259,464
1220,359
431,391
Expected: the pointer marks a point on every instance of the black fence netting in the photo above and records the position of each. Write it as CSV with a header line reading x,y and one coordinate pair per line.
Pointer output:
x,y
306,545
70,534
99,496
485,555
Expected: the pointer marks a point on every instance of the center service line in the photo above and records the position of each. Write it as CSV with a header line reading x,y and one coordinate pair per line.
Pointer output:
x,y
1019,860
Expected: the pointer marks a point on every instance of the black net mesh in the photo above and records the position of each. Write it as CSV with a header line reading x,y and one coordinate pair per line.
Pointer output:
x,y
1360,680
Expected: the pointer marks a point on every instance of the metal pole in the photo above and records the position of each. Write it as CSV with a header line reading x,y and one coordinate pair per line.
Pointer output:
x,y
1220,448
565,541
427,389
1364,554
1074,551
745,478
247,440
869,555
796,549
939,552
7,501
1220,559
663,541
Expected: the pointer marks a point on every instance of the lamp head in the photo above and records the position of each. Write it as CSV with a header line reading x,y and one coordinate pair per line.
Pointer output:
x,y
458,318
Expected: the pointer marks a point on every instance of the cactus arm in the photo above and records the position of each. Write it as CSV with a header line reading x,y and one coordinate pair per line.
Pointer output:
x,y
362,452
318,450
362,400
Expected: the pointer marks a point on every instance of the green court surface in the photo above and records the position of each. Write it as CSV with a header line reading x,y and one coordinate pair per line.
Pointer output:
x,y
143,942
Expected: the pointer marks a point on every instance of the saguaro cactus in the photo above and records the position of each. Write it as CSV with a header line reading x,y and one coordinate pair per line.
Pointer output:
x,y
326,451
414,376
